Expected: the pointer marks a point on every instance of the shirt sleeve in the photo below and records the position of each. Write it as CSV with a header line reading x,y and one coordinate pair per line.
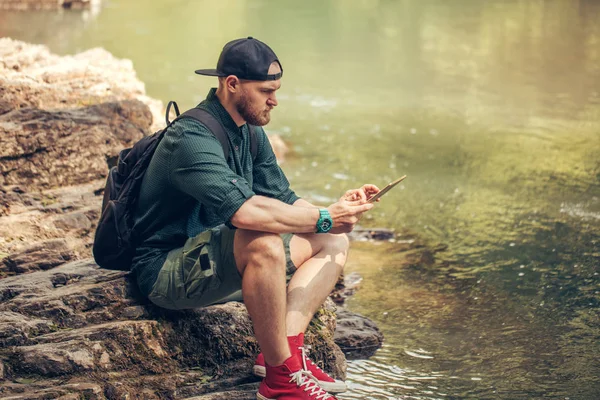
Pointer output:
x,y
268,178
197,167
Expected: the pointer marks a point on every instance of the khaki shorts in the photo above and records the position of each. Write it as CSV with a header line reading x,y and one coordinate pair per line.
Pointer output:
x,y
203,271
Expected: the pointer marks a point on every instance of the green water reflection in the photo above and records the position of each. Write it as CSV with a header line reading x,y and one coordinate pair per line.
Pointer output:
x,y
491,108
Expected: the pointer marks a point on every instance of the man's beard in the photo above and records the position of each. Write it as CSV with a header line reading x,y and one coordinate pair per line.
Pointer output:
x,y
251,116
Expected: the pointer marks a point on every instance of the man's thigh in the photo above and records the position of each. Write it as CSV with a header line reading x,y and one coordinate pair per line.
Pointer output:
x,y
304,246
204,272
243,242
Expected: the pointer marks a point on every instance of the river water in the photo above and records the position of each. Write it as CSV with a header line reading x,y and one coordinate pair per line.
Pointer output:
x,y
492,109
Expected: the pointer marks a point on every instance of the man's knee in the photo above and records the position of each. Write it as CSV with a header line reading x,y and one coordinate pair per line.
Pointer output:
x,y
306,246
337,244
262,249
266,247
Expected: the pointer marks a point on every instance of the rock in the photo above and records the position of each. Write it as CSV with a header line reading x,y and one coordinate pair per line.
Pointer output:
x,y
279,147
32,77
249,394
16,329
41,255
61,117
345,287
320,338
38,216
40,148
364,234
245,385
78,320
357,336
29,389
104,347
73,221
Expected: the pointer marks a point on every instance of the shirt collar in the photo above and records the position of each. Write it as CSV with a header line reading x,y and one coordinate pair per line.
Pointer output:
x,y
222,113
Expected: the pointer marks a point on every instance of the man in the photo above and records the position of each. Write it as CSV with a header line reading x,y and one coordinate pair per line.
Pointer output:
x,y
211,226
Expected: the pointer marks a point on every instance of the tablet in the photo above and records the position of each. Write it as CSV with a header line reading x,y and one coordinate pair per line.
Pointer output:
x,y
386,189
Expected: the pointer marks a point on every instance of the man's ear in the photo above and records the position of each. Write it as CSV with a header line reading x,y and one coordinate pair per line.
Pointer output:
x,y
232,83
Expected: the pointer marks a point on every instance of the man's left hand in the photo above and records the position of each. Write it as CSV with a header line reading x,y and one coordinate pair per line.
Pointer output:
x,y
363,194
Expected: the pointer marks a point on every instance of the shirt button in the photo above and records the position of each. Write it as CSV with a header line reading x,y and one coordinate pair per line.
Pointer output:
x,y
237,147
234,180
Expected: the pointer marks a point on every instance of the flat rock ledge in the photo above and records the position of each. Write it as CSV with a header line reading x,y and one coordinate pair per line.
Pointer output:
x,y
80,330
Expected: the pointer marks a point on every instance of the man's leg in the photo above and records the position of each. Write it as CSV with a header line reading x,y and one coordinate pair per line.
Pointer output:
x,y
260,258
320,259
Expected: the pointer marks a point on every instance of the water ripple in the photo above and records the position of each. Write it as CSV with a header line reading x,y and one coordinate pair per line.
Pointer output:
x,y
370,379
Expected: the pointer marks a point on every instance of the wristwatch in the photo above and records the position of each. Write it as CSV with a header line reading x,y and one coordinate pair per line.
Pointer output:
x,y
325,223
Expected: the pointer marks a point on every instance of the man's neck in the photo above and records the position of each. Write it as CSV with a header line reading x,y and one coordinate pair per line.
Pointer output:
x,y
230,107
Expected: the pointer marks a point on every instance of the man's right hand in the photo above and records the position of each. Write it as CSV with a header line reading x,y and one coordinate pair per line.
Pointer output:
x,y
346,214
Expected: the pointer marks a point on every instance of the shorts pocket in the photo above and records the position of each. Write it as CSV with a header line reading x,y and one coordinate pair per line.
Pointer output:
x,y
198,266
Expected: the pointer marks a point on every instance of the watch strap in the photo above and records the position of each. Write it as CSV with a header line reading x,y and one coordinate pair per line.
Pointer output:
x,y
325,223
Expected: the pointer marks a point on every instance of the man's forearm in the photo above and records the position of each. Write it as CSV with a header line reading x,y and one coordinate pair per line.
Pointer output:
x,y
260,213
304,203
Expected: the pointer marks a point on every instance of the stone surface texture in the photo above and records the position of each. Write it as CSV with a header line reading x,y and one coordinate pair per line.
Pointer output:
x,y
357,336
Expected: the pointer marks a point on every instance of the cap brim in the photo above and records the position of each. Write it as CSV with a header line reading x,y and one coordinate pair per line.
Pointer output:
x,y
209,72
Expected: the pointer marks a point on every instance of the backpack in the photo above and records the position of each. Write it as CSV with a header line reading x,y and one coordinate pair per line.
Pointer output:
x,y
115,239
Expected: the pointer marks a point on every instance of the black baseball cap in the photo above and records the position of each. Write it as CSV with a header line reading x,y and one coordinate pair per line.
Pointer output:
x,y
247,58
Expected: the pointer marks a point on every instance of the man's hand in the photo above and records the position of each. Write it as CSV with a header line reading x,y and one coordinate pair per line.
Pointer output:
x,y
345,214
364,193
348,210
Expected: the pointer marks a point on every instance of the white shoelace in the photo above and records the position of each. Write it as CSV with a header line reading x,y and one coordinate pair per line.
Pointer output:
x,y
309,385
305,350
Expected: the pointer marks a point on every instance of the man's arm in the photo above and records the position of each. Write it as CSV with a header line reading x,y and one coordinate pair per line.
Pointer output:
x,y
265,214
260,213
304,203
364,193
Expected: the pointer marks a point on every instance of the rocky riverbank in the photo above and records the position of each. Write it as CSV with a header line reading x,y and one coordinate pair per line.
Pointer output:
x,y
68,329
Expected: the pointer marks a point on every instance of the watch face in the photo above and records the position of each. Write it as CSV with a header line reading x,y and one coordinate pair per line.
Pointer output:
x,y
326,225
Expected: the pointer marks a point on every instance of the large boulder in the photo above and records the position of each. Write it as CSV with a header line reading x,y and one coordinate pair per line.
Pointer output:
x,y
43,149
62,118
32,77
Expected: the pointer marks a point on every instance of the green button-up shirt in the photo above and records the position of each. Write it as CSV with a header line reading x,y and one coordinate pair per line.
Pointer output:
x,y
189,187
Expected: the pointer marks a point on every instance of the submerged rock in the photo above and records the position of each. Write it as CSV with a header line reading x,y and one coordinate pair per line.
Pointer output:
x,y
368,234
345,287
357,336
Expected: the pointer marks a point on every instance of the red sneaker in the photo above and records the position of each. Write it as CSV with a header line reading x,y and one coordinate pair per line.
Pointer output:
x,y
289,381
297,347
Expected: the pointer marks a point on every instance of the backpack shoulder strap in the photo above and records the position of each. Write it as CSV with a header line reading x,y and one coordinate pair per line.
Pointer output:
x,y
171,103
253,141
212,124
